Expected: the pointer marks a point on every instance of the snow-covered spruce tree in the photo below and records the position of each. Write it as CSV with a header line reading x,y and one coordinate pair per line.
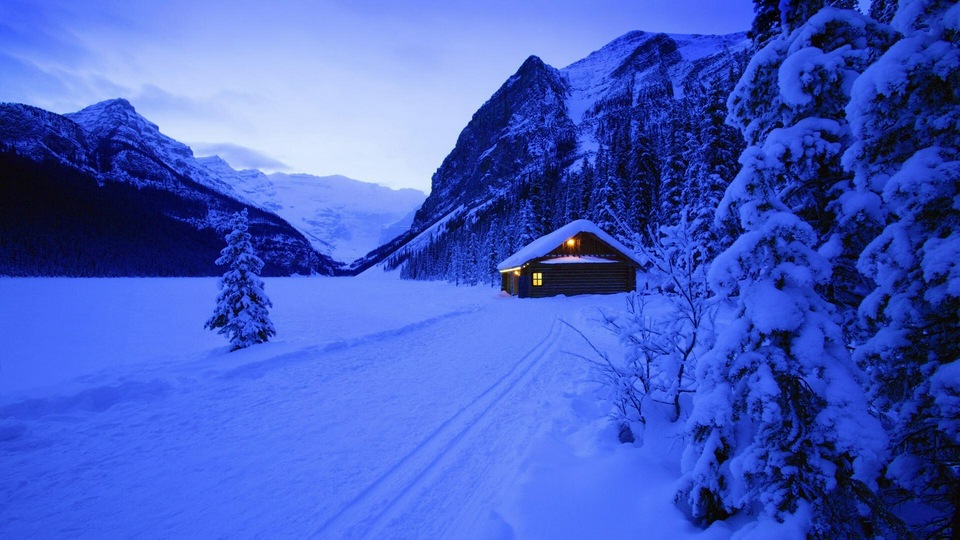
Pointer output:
x,y
802,81
905,112
780,424
529,229
780,421
710,167
241,311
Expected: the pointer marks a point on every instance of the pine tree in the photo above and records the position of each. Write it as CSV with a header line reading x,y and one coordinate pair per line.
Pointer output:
x,y
804,441
905,112
606,198
529,230
711,166
241,311
782,374
802,82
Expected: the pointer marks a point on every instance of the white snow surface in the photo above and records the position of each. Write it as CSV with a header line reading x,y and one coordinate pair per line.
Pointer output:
x,y
548,242
382,409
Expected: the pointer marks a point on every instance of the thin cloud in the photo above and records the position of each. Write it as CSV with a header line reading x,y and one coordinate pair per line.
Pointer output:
x,y
53,88
240,157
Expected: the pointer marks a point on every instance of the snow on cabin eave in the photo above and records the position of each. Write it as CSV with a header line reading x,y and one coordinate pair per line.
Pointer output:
x,y
542,246
573,259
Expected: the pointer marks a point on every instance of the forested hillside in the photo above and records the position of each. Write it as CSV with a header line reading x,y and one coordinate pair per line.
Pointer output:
x,y
627,137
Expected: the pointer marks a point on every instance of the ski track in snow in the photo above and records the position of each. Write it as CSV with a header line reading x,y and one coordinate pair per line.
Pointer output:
x,y
378,508
409,432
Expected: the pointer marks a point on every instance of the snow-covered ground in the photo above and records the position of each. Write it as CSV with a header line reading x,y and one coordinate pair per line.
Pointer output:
x,y
382,409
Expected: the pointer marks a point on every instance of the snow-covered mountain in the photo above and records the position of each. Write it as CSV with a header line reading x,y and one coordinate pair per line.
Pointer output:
x,y
621,136
124,181
134,150
341,217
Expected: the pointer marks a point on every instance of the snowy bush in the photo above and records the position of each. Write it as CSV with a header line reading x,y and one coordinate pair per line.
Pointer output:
x,y
660,347
241,311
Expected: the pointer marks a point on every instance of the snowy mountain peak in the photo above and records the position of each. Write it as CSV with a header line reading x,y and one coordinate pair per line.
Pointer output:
x,y
634,47
121,137
118,119
533,62
106,116
110,106
216,164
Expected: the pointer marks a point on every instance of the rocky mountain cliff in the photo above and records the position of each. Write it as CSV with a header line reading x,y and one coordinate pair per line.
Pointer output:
x,y
626,137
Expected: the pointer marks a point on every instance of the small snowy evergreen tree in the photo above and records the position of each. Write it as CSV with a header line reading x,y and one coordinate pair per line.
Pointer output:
x,y
607,205
241,311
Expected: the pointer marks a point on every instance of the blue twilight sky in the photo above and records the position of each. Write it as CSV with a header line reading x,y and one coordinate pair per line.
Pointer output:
x,y
370,89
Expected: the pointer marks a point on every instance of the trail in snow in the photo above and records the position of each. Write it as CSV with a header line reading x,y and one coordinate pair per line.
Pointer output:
x,y
384,508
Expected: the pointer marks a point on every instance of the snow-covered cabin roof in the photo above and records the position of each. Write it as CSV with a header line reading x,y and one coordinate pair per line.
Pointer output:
x,y
547,243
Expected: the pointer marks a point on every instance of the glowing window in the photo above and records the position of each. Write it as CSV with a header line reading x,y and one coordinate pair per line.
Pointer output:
x,y
537,279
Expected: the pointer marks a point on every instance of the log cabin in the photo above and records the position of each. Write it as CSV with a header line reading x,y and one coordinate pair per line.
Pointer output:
x,y
578,258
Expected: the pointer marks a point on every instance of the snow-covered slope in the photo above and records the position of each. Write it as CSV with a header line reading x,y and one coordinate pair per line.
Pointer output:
x,y
342,217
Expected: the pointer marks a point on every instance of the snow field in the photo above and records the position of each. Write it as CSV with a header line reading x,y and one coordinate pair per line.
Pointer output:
x,y
383,409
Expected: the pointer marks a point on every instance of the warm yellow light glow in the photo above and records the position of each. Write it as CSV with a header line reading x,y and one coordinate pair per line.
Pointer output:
x,y
516,272
571,242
